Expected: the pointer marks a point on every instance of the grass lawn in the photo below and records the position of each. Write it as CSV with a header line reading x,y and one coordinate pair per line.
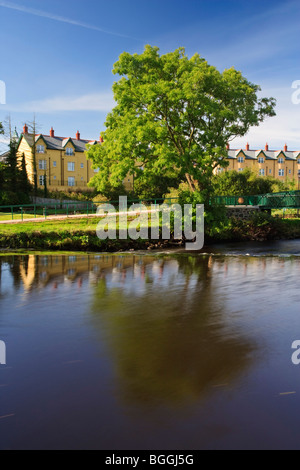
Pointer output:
x,y
58,226
69,225
7,216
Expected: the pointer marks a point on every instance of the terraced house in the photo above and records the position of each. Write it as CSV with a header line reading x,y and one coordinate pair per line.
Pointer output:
x,y
62,160
280,164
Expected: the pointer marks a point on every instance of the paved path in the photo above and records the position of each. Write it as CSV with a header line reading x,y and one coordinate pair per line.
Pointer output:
x,y
67,217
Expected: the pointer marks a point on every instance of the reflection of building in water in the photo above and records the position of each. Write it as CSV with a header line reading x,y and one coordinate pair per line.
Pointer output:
x,y
132,271
41,270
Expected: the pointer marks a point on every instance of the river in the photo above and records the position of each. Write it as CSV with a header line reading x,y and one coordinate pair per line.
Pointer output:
x,y
151,350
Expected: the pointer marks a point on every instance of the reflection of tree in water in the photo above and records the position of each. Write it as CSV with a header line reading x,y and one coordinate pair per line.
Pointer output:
x,y
13,263
169,343
21,266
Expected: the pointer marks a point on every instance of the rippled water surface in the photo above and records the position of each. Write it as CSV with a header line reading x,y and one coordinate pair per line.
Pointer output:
x,y
160,351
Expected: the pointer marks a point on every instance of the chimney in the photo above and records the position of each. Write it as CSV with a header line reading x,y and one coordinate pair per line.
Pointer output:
x,y
25,129
101,139
247,146
285,148
227,146
267,148
77,135
51,132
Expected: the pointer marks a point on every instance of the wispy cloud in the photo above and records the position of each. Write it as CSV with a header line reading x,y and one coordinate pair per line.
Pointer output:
x,y
101,102
51,16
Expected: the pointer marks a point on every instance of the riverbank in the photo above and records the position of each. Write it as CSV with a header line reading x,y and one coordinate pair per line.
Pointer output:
x,y
80,235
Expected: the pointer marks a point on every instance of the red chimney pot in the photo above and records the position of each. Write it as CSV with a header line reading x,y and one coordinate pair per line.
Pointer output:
x,y
227,146
25,129
285,148
51,132
247,146
77,135
101,139
267,148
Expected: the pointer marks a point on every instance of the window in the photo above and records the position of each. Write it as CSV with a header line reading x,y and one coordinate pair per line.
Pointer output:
x,y
280,160
298,161
281,172
241,169
81,165
290,172
40,149
261,172
71,166
241,159
42,180
71,181
54,164
54,177
42,165
261,160
69,151
270,171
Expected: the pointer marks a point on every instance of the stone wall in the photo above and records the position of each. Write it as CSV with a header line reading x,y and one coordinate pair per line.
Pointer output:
x,y
241,212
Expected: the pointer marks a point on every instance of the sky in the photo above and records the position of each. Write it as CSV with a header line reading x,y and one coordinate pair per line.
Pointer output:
x,y
57,57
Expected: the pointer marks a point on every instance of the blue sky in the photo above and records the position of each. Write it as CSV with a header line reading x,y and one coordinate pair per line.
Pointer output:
x,y
57,57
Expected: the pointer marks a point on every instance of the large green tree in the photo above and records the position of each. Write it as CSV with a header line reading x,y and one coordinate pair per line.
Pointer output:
x,y
173,117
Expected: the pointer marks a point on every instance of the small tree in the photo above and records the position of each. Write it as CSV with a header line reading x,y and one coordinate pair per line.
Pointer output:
x,y
45,186
32,127
24,185
12,165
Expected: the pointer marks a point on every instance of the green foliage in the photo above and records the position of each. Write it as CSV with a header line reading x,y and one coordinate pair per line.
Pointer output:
x,y
247,183
14,184
174,117
215,217
152,186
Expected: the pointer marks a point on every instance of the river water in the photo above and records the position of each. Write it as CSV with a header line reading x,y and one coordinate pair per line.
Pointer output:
x,y
151,351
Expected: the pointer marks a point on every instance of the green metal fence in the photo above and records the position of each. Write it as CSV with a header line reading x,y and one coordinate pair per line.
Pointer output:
x,y
283,200
67,209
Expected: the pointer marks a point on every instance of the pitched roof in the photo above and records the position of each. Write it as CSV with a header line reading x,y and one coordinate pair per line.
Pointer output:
x,y
269,154
59,143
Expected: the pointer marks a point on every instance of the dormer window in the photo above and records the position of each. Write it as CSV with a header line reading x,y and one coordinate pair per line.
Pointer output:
x,y
240,159
69,151
261,160
40,148
280,160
